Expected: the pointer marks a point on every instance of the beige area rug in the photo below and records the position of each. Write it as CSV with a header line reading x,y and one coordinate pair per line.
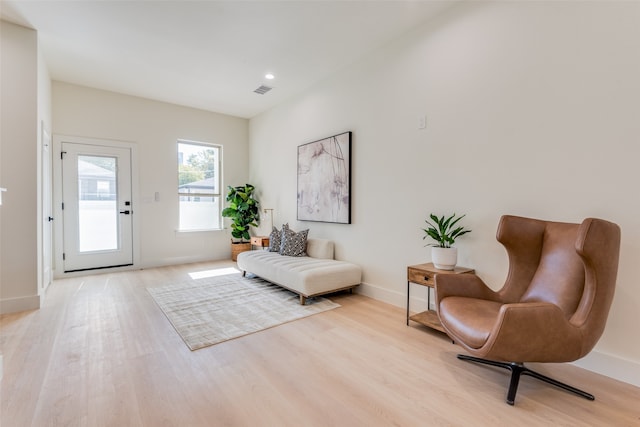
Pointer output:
x,y
216,309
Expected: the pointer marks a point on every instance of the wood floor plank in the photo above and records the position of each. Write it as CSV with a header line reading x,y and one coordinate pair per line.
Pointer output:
x,y
101,353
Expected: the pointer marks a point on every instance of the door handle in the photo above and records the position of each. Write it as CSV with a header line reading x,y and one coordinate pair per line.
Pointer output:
x,y
127,212
50,218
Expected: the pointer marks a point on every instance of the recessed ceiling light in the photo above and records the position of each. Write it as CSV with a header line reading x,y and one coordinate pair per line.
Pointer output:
x,y
269,76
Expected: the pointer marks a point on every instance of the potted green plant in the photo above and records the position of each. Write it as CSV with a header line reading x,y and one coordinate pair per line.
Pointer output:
x,y
445,231
244,212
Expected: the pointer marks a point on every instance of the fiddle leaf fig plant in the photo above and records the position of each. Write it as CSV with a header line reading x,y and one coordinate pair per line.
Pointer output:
x,y
443,230
243,210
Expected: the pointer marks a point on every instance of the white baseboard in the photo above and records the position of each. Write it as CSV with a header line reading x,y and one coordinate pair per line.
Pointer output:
x,y
601,363
13,305
611,366
381,294
417,303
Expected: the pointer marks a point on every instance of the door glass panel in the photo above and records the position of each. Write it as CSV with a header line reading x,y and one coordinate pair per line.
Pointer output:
x,y
98,209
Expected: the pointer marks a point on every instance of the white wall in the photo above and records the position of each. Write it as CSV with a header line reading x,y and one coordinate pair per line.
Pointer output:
x,y
533,109
155,128
18,168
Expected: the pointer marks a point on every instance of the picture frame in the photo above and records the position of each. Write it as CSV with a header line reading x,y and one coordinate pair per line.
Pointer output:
x,y
324,180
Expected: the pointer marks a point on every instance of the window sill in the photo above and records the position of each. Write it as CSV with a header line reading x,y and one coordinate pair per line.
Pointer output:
x,y
204,230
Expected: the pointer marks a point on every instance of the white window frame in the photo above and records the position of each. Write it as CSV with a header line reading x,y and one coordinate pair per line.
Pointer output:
x,y
217,194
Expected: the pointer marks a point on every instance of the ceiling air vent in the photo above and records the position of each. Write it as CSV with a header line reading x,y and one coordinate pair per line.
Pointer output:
x,y
263,89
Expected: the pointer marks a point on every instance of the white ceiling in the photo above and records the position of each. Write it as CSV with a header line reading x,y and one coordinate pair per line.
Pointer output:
x,y
211,54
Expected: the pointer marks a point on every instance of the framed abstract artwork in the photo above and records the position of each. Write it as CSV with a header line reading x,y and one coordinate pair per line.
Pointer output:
x,y
324,180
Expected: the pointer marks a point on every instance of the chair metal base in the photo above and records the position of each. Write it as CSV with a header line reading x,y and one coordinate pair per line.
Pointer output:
x,y
518,369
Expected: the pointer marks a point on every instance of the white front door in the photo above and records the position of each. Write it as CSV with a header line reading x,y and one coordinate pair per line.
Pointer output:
x,y
96,207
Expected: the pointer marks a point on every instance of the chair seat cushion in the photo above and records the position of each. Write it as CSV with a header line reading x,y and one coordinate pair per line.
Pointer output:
x,y
469,320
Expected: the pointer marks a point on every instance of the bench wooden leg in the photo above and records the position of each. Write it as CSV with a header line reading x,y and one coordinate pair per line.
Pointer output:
x,y
303,300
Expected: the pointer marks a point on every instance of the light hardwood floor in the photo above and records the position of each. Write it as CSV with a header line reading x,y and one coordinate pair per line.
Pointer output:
x,y
101,353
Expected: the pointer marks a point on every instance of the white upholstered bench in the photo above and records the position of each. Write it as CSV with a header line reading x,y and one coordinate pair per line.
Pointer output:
x,y
308,276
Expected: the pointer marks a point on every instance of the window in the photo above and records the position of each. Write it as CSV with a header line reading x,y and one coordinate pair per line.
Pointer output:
x,y
199,186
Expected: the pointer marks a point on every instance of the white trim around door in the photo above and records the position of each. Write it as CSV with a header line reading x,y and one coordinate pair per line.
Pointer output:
x,y
75,254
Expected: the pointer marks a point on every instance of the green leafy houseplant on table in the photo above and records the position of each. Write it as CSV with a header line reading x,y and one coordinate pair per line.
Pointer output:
x,y
243,210
445,231
442,230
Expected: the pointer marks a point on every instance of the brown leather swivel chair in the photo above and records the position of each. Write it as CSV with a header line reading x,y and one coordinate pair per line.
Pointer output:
x,y
553,306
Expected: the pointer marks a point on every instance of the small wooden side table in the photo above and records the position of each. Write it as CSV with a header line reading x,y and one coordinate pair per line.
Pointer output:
x,y
260,241
424,275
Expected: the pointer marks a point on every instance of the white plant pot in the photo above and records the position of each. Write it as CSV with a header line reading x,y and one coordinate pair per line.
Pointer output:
x,y
444,258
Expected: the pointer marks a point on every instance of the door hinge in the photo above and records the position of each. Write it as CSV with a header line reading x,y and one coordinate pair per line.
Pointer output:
x,y
62,205
64,256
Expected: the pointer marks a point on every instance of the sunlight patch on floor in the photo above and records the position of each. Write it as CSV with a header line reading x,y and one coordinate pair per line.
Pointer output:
x,y
212,273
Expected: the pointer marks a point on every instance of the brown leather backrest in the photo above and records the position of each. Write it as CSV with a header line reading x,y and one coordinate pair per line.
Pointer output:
x,y
573,266
598,244
522,238
559,278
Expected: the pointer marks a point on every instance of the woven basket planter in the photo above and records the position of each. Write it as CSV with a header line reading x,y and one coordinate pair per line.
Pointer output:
x,y
237,248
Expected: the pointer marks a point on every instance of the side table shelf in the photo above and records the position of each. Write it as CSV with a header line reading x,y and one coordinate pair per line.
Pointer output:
x,y
424,275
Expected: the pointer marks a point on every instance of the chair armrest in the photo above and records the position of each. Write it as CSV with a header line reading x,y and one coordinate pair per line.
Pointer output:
x,y
462,285
529,317
534,332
